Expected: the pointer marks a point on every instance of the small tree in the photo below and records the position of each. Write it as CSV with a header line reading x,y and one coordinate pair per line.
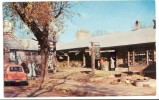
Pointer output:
x,y
41,18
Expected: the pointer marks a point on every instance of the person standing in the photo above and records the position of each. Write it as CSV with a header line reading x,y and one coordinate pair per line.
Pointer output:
x,y
25,67
112,66
31,67
99,65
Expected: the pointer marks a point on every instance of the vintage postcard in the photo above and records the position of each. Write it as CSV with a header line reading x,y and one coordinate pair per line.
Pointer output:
x,y
79,48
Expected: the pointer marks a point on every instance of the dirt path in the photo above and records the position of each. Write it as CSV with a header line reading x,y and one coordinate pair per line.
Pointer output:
x,y
74,82
63,87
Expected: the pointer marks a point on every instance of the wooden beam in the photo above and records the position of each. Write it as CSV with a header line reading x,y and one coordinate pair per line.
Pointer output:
x,y
102,51
133,57
147,57
68,60
117,61
84,60
154,56
128,58
93,58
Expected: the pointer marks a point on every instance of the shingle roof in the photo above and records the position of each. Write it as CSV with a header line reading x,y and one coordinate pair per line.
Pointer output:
x,y
29,44
12,42
140,36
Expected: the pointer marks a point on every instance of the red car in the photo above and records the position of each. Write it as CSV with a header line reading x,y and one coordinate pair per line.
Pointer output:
x,y
15,74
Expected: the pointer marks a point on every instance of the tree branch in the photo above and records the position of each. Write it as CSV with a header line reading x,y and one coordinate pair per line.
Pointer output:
x,y
32,25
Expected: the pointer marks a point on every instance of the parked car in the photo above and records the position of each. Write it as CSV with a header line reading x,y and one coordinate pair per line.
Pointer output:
x,y
15,74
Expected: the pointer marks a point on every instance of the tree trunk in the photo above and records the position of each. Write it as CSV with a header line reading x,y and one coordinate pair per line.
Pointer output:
x,y
44,68
93,59
54,61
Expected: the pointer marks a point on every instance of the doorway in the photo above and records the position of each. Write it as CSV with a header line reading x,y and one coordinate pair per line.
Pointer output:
x,y
108,54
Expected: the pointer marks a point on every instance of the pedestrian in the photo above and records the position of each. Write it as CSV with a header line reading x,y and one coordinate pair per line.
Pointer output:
x,y
112,66
25,67
37,69
19,61
31,67
99,65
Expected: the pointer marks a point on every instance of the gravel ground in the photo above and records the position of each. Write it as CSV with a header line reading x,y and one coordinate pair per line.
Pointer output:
x,y
75,82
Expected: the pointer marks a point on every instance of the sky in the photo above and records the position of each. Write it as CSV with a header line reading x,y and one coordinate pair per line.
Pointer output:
x,y
103,16
108,17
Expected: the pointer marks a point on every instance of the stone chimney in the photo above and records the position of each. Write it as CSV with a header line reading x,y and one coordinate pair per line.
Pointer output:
x,y
137,25
82,34
154,24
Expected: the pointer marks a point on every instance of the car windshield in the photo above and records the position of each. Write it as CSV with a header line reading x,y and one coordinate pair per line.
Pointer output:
x,y
15,69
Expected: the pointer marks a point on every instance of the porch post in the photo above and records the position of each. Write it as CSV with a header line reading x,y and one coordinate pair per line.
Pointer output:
x,y
68,60
133,57
84,60
117,63
93,58
147,57
154,56
128,58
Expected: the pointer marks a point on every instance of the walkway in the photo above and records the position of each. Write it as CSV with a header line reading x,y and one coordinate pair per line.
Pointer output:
x,y
89,89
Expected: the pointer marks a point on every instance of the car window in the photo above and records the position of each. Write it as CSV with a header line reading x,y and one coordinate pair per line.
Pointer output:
x,y
15,69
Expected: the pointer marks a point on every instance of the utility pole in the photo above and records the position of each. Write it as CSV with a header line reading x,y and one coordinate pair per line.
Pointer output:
x,y
92,58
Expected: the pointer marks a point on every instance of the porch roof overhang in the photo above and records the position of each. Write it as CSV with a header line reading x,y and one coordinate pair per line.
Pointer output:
x,y
141,36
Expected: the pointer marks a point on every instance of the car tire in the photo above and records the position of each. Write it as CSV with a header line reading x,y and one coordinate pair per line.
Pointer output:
x,y
6,83
25,83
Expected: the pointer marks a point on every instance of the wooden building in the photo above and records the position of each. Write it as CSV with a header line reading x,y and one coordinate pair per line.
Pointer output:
x,y
17,50
136,48
128,49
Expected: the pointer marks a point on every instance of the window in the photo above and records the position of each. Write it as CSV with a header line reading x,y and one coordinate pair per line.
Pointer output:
x,y
15,69
140,57
12,56
150,56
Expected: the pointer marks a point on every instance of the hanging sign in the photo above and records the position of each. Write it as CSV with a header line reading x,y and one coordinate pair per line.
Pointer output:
x,y
97,51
